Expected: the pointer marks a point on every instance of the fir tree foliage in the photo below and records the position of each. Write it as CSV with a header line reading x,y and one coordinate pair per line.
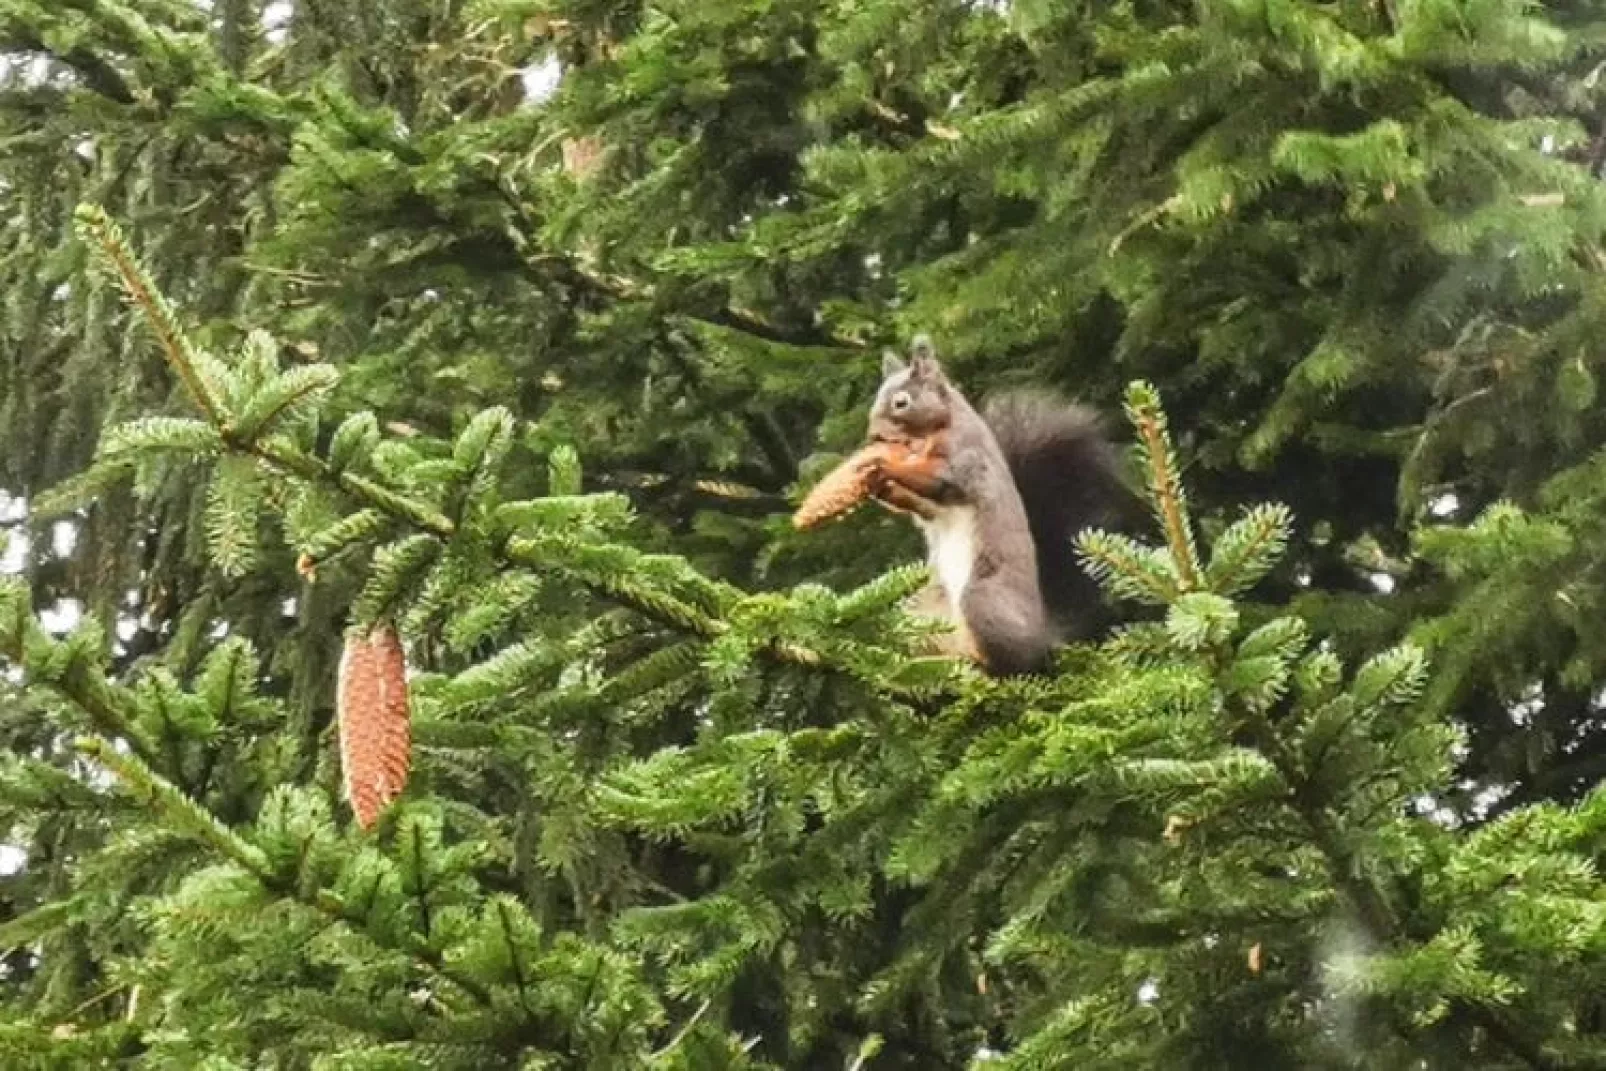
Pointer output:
x,y
1194,844
681,797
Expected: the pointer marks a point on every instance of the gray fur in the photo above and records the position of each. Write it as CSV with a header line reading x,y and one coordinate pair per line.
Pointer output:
x,y
1034,470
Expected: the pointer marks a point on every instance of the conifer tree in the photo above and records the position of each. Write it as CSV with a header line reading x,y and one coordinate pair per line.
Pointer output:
x,y
513,329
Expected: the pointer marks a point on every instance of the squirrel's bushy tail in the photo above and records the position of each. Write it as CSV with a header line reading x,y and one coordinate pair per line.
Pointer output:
x,y
1068,476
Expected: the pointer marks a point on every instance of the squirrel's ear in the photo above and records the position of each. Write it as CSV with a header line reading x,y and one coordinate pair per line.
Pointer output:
x,y
923,357
891,364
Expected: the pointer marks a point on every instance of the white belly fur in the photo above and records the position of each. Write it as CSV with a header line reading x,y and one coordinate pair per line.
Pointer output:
x,y
951,551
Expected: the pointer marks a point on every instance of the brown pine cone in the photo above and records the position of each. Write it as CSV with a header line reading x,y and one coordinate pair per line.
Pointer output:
x,y
843,488
375,732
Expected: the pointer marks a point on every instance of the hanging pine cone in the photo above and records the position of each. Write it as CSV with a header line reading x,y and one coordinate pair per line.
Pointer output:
x,y
375,733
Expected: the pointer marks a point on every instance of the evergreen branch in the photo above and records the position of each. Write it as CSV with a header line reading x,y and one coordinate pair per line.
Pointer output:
x,y
232,512
196,438
295,462
195,819
365,524
79,490
1165,484
548,268
90,694
565,479
22,640
1392,678
1126,568
96,697
760,424
123,21
416,833
1382,923
22,930
354,441
427,957
602,574
98,75
515,962
1248,549
605,570
283,395
600,569
171,802
104,235
620,289
398,568
601,577
881,594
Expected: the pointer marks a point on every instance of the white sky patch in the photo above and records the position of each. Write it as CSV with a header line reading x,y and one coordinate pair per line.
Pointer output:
x,y
12,508
220,630
1485,799
1148,992
93,774
12,860
1383,582
289,606
1444,505
127,627
63,538
1436,812
14,558
1523,710
28,71
541,79
63,617
276,21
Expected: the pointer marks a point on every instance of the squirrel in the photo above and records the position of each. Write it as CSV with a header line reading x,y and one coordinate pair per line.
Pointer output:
x,y
1000,495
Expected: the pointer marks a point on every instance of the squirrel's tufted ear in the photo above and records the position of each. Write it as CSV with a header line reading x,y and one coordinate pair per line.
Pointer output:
x,y
923,357
891,364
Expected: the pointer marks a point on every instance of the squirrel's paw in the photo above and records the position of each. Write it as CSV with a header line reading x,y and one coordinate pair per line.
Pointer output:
x,y
896,497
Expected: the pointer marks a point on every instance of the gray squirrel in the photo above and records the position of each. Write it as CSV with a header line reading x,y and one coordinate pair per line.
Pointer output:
x,y
1000,496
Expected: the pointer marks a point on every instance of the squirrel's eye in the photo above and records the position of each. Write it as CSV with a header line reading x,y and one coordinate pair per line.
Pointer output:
x,y
901,401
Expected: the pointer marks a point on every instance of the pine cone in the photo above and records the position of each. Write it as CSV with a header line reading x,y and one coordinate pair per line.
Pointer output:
x,y
375,733
843,488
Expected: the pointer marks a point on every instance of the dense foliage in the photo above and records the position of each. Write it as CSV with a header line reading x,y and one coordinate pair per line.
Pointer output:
x,y
521,324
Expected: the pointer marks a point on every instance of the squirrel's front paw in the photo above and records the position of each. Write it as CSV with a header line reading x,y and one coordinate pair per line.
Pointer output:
x,y
895,496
